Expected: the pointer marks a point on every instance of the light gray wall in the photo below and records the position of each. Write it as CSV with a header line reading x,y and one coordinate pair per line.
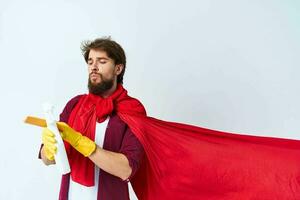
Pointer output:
x,y
226,65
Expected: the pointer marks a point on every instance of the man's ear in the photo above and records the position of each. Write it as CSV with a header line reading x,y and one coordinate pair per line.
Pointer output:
x,y
119,68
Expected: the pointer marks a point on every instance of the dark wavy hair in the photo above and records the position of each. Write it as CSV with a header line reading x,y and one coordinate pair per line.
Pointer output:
x,y
112,49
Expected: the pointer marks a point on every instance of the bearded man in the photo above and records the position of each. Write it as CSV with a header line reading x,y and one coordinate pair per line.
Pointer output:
x,y
110,140
103,152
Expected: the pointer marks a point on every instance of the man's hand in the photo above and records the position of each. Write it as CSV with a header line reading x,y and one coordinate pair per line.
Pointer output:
x,y
81,143
48,139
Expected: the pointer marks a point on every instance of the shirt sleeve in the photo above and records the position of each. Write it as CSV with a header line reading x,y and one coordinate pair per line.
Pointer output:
x,y
133,150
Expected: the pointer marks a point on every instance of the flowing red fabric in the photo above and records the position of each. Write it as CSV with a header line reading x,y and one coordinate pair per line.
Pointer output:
x,y
189,162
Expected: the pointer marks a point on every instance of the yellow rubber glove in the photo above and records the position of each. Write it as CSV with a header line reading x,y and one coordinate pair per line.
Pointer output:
x,y
81,143
48,139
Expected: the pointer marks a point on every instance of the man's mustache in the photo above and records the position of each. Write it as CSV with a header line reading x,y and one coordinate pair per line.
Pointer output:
x,y
95,73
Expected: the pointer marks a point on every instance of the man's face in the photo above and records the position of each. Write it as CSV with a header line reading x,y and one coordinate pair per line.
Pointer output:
x,y
102,72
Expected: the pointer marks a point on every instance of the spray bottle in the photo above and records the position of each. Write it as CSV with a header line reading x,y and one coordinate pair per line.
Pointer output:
x,y
61,158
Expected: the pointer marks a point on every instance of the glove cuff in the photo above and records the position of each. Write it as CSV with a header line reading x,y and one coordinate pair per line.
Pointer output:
x,y
86,146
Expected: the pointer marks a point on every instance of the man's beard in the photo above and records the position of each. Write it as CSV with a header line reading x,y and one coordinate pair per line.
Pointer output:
x,y
100,88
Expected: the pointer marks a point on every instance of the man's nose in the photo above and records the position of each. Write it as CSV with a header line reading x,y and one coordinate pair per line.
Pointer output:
x,y
95,67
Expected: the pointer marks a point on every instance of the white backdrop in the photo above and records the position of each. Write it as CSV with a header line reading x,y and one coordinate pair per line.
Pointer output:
x,y
226,65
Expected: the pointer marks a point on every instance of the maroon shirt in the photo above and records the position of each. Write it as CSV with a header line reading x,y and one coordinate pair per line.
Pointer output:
x,y
118,138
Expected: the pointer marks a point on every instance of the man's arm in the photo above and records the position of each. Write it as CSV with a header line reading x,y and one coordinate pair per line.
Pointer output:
x,y
114,163
122,164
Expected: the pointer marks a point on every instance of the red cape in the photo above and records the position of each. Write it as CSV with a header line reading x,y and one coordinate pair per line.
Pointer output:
x,y
189,162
